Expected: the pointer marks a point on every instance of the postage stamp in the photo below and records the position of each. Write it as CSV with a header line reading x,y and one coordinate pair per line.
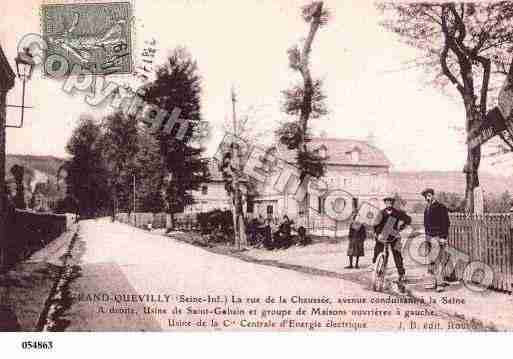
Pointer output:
x,y
96,36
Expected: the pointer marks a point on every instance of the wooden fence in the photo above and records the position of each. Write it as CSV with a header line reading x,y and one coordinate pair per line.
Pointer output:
x,y
488,239
141,220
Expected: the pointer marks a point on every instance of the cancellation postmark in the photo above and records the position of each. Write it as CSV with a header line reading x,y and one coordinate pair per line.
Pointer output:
x,y
94,36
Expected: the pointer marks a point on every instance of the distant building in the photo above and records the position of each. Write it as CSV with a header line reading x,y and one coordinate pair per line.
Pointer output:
x,y
39,201
45,197
212,194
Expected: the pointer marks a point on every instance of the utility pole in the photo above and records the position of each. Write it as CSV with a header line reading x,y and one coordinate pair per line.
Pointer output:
x,y
135,215
235,159
134,191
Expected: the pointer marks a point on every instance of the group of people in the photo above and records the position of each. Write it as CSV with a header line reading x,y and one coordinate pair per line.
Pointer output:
x,y
436,224
271,234
391,221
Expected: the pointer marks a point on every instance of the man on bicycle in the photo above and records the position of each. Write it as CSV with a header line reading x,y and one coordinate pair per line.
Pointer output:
x,y
390,222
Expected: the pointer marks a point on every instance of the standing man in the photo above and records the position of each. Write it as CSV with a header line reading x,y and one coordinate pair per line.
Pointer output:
x,y
436,225
390,222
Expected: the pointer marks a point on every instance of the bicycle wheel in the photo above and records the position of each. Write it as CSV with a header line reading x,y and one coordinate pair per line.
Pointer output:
x,y
378,279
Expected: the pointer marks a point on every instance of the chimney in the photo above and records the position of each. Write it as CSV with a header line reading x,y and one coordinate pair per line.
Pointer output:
x,y
371,139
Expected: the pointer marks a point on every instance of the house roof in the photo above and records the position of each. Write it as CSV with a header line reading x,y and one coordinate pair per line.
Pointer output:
x,y
7,75
339,152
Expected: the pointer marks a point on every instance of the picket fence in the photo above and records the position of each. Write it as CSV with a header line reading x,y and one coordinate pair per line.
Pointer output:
x,y
488,239
157,220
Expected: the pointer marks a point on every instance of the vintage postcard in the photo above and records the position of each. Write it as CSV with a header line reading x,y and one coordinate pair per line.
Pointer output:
x,y
275,166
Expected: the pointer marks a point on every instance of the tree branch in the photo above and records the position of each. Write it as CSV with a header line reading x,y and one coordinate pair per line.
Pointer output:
x,y
432,17
443,58
305,72
307,48
501,135
483,36
462,32
459,49
486,63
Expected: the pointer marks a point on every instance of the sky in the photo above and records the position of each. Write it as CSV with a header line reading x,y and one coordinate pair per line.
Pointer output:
x,y
244,44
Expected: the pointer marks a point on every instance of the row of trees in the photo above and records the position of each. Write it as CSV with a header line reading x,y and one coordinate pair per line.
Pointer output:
x,y
120,163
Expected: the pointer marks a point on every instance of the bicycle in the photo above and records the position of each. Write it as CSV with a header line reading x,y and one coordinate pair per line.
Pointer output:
x,y
380,268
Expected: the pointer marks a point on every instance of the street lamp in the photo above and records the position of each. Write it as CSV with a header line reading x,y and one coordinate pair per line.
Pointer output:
x,y
24,67
24,64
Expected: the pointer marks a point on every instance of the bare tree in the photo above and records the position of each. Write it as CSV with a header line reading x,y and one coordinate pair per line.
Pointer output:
x,y
305,100
466,45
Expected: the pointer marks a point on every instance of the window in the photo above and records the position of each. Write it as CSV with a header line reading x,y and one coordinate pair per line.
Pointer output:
x,y
355,156
374,183
323,151
270,210
302,206
355,204
204,190
250,205
320,205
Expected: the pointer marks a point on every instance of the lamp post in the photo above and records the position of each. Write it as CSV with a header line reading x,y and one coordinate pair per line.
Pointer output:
x,y
24,68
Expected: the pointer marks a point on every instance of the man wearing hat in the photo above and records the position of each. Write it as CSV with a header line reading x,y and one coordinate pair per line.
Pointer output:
x,y
436,225
390,221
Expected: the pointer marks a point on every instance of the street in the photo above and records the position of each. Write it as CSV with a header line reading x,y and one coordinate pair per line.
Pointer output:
x,y
133,280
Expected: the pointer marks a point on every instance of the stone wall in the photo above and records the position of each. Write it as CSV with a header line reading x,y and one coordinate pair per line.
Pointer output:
x,y
27,232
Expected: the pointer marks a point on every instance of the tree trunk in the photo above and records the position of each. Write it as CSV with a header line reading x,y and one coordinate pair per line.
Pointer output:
x,y
172,217
241,222
469,185
473,159
234,216
115,204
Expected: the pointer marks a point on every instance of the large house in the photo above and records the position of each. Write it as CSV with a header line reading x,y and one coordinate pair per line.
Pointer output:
x,y
353,166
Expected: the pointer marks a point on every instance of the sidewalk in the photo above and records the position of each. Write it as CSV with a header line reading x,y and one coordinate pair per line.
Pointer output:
x,y
25,288
491,309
